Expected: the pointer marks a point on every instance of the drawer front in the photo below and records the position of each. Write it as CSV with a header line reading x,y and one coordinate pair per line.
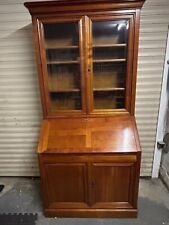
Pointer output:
x,y
120,158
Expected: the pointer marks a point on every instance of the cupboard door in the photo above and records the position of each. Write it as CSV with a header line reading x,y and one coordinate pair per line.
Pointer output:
x,y
66,185
111,185
62,52
110,44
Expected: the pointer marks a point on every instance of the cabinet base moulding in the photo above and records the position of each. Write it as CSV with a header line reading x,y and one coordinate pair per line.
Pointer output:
x,y
92,213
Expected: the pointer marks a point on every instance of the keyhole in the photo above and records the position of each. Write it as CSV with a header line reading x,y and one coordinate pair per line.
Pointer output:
x,y
93,183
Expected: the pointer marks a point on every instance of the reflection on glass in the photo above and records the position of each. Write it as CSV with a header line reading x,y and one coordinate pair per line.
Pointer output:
x,y
110,32
61,35
63,64
110,40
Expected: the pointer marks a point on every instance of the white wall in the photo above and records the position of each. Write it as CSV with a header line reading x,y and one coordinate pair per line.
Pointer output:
x,y
153,37
20,110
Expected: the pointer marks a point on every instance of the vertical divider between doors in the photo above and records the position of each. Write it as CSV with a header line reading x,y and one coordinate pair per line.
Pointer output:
x,y
82,62
89,182
88,60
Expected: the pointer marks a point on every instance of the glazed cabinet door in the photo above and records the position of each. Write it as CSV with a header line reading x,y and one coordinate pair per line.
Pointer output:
x,y
111,185
111,49
62,57
65,185
87,64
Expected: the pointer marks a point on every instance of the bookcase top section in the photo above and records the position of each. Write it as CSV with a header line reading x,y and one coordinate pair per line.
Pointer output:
x,y
84,5
116,134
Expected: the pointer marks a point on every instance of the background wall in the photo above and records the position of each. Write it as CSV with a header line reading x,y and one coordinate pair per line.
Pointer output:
x,y
20,110
153,37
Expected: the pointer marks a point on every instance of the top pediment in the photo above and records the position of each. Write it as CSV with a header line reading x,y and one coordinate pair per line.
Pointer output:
x,y
40,7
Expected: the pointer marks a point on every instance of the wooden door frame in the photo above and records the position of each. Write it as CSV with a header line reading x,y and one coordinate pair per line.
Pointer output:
x,y
130,75
43,74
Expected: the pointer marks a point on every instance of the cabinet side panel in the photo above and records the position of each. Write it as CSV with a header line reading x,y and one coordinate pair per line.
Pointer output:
x,y
135,60
39,63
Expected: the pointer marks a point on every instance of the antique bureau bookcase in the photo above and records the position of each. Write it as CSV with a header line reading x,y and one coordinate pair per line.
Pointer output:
x,y
89,153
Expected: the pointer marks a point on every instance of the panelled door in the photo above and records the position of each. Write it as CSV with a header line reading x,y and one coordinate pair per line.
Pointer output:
x,y
66,185
87,63
111,185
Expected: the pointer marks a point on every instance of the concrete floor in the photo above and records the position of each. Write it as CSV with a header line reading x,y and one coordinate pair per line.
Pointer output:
x,y
21,195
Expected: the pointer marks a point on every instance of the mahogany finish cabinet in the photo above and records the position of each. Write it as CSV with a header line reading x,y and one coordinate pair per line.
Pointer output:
x,y
89,153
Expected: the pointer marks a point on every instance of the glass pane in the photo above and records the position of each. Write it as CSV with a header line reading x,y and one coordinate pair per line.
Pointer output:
x,y
63,64
108,100
108,75
66,101
110,32
110,40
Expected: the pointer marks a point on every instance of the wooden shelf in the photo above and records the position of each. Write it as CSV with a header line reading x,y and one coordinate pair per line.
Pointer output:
x,y
63,47
59,44
63,62
65,90
108,60
109,45
108,89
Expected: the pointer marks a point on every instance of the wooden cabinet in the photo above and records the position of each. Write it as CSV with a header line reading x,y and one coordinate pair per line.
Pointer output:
x,y
89,153
89,183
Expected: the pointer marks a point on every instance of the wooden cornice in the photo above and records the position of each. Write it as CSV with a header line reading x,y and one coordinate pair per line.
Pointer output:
x,y
47,7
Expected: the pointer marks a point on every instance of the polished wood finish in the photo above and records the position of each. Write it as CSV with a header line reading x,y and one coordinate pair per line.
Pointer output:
x,y
107,178
67,6
69,192
89,152
89,135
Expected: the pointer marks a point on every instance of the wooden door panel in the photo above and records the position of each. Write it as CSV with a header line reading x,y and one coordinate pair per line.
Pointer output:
x,y
66,185
111,184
